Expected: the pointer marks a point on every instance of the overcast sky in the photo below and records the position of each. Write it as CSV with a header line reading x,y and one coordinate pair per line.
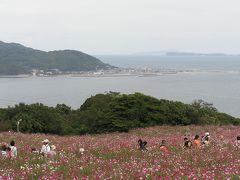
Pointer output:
x,y
122,26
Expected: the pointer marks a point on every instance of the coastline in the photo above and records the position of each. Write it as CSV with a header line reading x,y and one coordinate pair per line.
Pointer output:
x,y
127,73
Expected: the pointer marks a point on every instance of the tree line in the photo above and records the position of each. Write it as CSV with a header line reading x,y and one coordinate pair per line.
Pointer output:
x,y
110,112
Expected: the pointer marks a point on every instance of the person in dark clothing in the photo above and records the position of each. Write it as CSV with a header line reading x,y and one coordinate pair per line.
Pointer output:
x,y
238,141
142,145
187,143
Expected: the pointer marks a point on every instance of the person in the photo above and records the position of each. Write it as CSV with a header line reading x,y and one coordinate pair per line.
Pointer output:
x,y
221,142
45,147
34,151
205,139
52,153
163,147
238,141
142,145
9,153
13,149
196,141
3,151
187,143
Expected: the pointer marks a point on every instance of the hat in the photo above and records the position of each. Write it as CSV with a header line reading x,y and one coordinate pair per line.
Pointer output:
x,y
81,150
207,134
45,141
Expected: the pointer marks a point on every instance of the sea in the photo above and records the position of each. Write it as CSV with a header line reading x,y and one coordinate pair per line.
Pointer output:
x,y
214,79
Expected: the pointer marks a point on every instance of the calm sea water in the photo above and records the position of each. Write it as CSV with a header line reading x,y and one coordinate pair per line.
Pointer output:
x,y
224,63
221,88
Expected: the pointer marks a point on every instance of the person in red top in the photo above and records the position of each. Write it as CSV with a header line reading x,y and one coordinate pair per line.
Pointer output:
x,y
197,141
163,147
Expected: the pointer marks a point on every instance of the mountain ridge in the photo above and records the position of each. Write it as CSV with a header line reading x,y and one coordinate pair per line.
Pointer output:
x,y
18,59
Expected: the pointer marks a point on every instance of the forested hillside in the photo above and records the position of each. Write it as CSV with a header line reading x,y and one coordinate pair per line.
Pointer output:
x,y
17,59
109,113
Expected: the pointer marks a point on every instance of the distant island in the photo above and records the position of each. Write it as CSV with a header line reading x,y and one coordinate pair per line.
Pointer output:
x,y
181,53
16,59
194,54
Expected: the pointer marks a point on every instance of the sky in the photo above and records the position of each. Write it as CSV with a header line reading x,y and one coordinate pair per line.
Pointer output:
x,y
123,26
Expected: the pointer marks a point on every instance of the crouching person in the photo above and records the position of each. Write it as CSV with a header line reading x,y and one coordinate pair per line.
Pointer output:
x,y
52,153
163,148
45,147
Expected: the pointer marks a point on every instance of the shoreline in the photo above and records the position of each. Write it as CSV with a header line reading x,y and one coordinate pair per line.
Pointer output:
x,y
137,74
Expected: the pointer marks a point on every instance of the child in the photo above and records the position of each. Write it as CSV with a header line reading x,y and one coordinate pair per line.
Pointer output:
x,y
13,149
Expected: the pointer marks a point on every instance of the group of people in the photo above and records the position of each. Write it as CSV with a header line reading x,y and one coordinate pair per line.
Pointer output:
x,y
163,147
8,150
47,150
197,142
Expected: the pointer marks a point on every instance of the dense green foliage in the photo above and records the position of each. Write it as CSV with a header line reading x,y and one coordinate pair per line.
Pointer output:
x,y
110,112
16,59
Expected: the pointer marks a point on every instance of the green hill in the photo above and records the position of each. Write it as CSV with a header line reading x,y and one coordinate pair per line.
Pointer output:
x,y
109,113
17,59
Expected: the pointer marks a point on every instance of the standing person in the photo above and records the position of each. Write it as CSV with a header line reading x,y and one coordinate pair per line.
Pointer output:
x,y
187,143
45,147
13,149
163,147
197,141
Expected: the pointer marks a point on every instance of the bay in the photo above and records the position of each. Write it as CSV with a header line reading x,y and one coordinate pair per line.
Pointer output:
x,y
220,88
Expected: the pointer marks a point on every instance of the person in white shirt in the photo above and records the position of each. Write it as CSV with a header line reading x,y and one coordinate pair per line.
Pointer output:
x,y
205,139
13,149
45,147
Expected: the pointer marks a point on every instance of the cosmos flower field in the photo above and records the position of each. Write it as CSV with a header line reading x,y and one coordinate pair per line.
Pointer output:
x,y
116,155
